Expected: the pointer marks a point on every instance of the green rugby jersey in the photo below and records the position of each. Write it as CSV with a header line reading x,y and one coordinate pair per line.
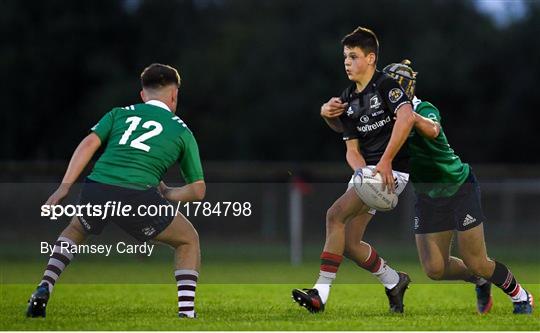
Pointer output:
x,y
142,142
435,169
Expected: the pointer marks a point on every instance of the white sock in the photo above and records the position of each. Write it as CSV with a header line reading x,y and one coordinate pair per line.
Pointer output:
x,y
387,275
481,281
521,296
323,284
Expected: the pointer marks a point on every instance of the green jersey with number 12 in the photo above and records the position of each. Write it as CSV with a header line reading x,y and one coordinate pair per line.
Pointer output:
x,y
435,169
142,142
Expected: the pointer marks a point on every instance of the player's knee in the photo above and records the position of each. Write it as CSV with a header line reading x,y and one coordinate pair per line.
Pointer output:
x,y
334,217
195,238
74,231
190,239
185,238
434,270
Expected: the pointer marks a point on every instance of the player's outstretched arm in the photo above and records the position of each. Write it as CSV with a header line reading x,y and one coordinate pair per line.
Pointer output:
x,y
426,127
187,193
330,112
82,155
400,132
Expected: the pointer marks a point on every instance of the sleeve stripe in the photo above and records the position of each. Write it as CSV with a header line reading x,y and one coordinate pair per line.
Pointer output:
x,y
400,104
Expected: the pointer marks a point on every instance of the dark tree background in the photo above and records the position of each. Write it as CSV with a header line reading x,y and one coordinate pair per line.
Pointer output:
x,y
256,72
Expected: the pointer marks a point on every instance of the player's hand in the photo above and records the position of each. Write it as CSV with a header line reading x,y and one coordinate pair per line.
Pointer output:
x,y
384,168
333,108
163,189
58,195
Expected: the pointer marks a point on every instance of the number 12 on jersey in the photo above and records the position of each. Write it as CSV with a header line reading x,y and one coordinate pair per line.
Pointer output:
x,y
137,143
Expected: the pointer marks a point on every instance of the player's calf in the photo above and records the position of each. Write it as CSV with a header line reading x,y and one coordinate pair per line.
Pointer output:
x,y
60,258
183,237
395,283
503,278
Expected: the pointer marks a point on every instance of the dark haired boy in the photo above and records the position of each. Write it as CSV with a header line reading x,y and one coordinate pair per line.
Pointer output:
x,y
142,142
375,116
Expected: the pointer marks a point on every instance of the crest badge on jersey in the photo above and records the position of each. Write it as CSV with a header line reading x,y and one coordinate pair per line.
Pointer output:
x,y
374,102
364,119
395,94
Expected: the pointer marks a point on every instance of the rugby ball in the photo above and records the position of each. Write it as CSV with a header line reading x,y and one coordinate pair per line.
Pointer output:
x,y
368,188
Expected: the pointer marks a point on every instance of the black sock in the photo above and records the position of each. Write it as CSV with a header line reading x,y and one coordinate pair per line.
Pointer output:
x,y
504,279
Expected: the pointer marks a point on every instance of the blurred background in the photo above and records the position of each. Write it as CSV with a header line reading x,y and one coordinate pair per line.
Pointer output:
x,y
254,74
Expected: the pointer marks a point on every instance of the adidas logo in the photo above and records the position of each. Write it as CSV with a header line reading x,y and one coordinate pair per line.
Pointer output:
x,y
468,220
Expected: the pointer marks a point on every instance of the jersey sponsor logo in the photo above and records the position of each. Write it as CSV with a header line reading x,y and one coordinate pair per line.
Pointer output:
x,y
416,222
350,111
374,126
395,94
130,107
432,116
468,220
374,102
364,119
376,113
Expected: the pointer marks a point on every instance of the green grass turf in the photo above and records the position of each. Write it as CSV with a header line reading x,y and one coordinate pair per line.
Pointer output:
x,y
109,295
258,307
249,292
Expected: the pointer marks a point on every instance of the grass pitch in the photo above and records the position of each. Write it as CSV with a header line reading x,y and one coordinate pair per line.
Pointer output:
x,y
258,307
249,306
250,292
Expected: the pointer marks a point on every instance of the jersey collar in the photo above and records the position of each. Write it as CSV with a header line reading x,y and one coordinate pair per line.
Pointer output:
x,y
416,101
159,104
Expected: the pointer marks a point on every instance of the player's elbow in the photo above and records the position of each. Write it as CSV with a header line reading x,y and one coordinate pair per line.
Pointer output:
x,y
91,142
199,190
436,130
433,132
405,115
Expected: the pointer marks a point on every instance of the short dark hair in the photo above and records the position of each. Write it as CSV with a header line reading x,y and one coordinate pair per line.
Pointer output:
x,y
363,38
158,76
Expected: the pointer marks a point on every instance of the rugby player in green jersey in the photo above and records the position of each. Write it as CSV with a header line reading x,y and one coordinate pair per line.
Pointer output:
x,y
448,199
141,142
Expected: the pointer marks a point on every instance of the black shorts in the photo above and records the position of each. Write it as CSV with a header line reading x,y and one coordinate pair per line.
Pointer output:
x,y
143,226
462,211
